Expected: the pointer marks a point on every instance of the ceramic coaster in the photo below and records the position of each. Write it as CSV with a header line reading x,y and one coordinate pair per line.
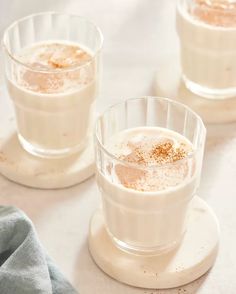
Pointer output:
x,y
26,169
19,166
168,83
190,260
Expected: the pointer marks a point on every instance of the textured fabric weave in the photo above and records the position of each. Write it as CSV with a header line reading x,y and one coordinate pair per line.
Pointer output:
x,y
25,268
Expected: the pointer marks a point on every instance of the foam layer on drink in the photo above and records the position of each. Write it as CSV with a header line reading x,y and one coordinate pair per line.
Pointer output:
x,y
215,12
56,67
156,158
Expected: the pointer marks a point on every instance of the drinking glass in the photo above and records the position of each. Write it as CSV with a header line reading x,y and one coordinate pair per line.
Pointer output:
x,y
54,108
143,221
207,35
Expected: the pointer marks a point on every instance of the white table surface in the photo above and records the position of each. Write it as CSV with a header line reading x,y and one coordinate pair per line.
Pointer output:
x,y
138,34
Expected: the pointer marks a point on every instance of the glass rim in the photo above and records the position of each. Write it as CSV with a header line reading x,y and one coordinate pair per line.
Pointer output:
x,y
31,68
138,165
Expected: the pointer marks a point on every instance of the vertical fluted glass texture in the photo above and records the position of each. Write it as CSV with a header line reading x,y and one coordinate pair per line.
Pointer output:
x,y
147,221
55,108
207,35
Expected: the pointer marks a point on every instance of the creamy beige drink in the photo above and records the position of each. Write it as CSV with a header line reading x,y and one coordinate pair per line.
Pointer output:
x,y
54,94
207,32
146,191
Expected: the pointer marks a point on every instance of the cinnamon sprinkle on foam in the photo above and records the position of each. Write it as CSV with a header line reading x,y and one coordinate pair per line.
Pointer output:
x,y
166,153
215,12
55,57
160,153
151,152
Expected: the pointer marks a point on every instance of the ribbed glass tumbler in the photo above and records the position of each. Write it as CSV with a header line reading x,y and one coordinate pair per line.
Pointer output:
x,y
53,94
207,35
147,217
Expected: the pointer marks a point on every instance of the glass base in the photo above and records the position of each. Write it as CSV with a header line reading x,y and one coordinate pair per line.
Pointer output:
x,y
209,93
50,153
138,250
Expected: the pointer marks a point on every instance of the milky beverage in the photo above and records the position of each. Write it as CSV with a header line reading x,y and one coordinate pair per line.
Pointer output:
x,y
54,96
207,32
147,191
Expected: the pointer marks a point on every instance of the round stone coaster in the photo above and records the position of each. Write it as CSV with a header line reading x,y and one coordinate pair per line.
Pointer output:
x,y
190,260
168,83
21,167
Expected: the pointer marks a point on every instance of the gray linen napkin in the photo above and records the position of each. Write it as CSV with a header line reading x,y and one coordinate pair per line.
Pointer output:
x,y
25,268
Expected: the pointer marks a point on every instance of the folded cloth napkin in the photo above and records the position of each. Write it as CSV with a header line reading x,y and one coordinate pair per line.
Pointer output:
x,y
25,268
